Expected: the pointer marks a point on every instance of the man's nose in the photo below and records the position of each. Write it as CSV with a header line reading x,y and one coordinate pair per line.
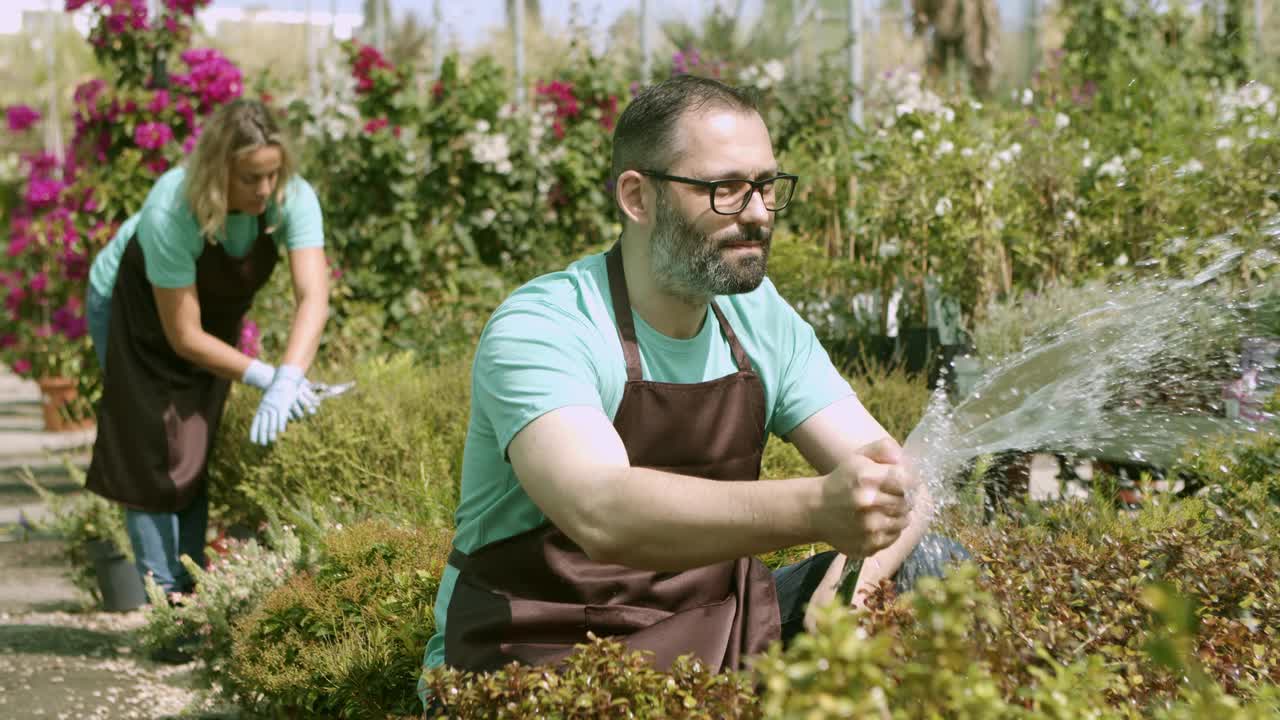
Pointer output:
x,y
754,213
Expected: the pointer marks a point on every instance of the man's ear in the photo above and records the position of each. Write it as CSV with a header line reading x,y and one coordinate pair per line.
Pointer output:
x,y
634,197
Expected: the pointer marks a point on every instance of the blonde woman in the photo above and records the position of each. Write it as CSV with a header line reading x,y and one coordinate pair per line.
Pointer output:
x,y
165,303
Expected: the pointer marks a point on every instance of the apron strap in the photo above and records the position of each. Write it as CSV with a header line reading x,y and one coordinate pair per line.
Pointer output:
x,y
622,313
627,327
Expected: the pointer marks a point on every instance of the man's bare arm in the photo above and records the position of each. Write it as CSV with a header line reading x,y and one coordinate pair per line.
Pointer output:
x,y
574,466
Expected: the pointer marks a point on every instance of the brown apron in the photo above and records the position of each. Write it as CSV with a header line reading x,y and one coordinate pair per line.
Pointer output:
x,y
531,597
159,413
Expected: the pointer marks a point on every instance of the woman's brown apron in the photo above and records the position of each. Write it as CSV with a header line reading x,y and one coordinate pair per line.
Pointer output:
x,y
531,597
159,413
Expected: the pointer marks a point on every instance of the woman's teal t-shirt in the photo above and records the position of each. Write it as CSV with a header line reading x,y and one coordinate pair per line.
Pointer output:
x,y
171,239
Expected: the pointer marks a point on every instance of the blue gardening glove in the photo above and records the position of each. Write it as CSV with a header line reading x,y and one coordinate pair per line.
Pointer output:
x,y
307,402
259,375
273,411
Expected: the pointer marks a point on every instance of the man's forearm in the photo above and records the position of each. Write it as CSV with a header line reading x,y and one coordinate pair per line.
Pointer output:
x,y
662,521
885,563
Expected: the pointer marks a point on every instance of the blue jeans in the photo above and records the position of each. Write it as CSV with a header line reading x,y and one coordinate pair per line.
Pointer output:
x,y
797,582
158,538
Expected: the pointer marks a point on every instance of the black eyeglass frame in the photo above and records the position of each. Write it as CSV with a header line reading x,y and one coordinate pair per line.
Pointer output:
x,y
713,185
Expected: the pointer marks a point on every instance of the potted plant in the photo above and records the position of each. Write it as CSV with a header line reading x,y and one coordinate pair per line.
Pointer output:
x,y
95,543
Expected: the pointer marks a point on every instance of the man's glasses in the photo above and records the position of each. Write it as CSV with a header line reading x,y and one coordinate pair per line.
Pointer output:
x,y
730,197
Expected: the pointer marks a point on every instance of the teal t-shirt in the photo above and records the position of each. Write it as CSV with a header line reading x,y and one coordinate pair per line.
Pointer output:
x,y
554,344
171,240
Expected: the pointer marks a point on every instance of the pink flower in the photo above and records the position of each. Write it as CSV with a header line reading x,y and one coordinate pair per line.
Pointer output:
x,y
159,101
375,125
21,117
42,192
250,342
18,243
69,319
8,341
186,7
157,165
153,135
190,143
22,366
73,5
40,282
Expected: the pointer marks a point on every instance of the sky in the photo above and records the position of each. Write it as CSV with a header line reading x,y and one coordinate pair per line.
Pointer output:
x,y
470,20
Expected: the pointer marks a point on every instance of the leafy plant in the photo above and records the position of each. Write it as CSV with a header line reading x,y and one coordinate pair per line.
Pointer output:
x,y
239,576
330,469
347,639
79,518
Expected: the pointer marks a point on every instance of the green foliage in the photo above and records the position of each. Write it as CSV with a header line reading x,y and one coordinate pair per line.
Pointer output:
x,y
390,448
347,640
80,517
601,679
239,576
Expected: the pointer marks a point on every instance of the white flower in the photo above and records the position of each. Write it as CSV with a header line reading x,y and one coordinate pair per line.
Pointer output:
x,y
975,104
945,147
1027,96
1270,108
1084,144
1015,149
966,152
1112,168
1224,143
943,207
889,249
949,115
1087,162
482,126
1061,121
1133,154
1190,167
1069,218
487,216
903,109
917,136
1122,261
775,71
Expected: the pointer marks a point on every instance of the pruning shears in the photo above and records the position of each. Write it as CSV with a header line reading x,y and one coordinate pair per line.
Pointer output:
x,y
324,391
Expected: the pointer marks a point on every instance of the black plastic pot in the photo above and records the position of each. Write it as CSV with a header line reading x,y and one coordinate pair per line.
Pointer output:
x,y
118,578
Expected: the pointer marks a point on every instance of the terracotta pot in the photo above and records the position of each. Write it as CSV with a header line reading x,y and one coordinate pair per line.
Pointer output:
x,y
56,393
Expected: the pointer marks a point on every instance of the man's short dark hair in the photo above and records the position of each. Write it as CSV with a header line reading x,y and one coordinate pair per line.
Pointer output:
x,y
645,134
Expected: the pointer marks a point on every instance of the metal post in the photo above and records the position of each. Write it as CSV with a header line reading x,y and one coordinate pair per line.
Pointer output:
x,y
518,31
53,123
646,44
437,37
380,25
855,60
313,78
1257,31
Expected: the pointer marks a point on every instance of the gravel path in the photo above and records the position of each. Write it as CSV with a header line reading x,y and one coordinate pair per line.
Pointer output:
x,y
60,658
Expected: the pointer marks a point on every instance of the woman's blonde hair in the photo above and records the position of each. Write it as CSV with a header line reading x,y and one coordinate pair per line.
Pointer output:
x,y
239,127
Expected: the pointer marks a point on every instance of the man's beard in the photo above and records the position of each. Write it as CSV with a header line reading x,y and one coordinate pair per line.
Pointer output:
x,y
689,265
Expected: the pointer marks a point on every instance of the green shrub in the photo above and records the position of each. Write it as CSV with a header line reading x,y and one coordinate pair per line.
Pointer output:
x,y
389,448
347,640
79,518
228,590
601,679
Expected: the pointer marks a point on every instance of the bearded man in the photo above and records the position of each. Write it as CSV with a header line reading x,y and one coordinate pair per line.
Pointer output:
x,y
619,412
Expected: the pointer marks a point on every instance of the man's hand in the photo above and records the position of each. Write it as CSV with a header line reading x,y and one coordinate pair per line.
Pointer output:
x,y
865,505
